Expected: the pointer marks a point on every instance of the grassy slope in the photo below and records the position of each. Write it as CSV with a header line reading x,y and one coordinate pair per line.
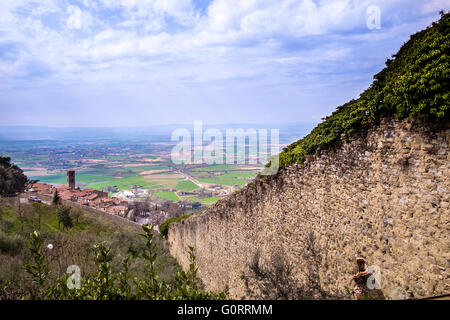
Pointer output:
x,y
230,178
206,201
186,185
415,83
167,195
72,246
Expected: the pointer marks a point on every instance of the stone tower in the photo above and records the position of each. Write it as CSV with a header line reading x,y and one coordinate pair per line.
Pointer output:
x,y
71,178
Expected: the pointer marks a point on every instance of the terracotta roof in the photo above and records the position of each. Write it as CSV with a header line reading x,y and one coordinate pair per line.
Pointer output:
x,y
106,200
92,196
41,187
41,184
117,209
80,193
66,195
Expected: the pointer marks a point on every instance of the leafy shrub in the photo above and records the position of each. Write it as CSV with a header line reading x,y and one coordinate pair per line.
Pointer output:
x,y
11,245
164,227
64,217
56,200
105,284
415,83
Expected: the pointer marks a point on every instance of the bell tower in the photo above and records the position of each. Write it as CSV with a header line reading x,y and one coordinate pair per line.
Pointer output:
x,y
71,178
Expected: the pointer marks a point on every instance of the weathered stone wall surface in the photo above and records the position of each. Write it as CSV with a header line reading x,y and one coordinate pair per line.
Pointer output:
x,y
383,196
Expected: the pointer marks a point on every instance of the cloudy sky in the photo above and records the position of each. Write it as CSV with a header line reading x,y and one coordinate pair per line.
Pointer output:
x,y
143,62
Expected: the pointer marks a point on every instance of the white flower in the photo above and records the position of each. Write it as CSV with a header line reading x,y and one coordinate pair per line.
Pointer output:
x,y
50,246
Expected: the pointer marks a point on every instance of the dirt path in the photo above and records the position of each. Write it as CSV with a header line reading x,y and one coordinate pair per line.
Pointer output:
x,y
24,199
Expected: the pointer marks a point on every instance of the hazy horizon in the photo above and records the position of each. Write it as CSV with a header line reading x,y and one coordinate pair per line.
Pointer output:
x,y
219,124
287,132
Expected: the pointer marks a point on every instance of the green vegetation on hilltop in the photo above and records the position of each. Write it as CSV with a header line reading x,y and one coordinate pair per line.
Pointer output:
x,y
164,227
230,178
415,83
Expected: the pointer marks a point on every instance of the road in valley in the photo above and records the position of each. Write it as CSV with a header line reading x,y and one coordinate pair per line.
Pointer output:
x,y
204,185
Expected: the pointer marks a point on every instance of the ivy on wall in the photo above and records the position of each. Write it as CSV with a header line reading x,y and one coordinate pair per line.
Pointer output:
x,y
414,83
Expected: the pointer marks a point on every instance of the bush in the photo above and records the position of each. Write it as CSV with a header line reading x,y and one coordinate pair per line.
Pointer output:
x,y
11,245
56,198
105,284
164,227
64,217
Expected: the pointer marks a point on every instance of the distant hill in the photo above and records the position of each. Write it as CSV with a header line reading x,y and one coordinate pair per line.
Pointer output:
x,y
159,133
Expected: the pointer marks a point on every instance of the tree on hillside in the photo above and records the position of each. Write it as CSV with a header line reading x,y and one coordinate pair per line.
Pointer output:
x,y
38,210
143,206
12,179
64,217
56,198
174,209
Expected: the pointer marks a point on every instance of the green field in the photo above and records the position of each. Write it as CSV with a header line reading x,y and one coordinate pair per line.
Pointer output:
x,y
99,181
186,185
122,183
230,178
147,168
167,195
205,201
127,176
122,177
54,178
217,167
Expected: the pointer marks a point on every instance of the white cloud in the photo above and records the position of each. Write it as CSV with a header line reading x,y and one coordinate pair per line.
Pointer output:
x,y
74,20
169,41
433,6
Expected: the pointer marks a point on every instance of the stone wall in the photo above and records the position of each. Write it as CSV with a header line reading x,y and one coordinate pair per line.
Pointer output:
x,y
383,196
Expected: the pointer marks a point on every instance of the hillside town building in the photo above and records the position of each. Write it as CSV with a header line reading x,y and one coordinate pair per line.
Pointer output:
x,y
151,214
88,197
